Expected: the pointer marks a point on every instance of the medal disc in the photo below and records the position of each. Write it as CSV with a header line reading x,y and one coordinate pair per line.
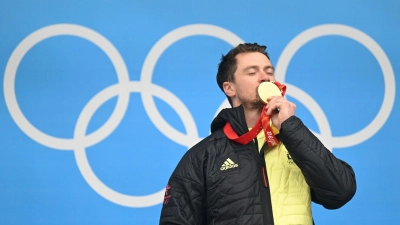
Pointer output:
x,y
268,89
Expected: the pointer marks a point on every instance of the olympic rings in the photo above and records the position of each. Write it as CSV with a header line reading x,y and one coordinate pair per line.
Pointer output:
x,y
147,72
124,87
374,48
80,153
25,46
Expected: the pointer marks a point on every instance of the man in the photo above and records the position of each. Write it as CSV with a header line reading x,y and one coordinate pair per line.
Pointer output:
x,y
220,181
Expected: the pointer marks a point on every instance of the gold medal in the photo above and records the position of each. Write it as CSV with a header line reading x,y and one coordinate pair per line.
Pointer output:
x,y
268,89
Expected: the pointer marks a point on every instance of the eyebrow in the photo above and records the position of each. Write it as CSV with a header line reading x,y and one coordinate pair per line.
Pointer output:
x,y
250,67
256,67
270,67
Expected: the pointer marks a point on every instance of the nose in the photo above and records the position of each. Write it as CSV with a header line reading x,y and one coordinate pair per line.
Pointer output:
x,y
264,77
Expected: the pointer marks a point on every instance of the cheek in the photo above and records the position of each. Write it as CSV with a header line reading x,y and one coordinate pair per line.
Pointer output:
x,y
247,88
247,92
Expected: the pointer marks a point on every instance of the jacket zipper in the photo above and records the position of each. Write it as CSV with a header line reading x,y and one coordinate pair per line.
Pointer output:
x,y
264,187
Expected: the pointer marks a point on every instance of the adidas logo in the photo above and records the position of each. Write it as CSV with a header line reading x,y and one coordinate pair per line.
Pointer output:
x,y
228,164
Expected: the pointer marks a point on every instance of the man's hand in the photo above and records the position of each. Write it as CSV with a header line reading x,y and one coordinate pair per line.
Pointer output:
x,y
279,109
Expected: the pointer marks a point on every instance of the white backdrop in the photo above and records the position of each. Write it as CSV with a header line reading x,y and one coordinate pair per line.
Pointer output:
x,y
101,99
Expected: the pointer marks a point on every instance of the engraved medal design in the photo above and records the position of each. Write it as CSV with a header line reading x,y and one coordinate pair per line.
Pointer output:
x,y
268,89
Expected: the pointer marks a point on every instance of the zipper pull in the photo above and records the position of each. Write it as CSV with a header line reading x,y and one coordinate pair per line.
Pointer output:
x,y
264,176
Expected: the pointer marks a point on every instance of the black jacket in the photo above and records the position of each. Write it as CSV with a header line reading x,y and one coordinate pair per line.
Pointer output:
x,y
199,192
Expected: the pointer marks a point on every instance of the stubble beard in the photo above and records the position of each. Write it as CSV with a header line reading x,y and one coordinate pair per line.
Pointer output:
x,y
255,104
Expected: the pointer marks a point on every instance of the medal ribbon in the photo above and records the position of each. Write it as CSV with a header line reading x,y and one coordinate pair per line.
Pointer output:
x,y
263,123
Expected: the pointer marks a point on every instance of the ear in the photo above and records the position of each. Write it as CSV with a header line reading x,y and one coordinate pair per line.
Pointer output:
x,y
229,89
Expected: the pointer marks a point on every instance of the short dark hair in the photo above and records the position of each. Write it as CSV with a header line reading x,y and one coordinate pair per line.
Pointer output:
x,y
228,64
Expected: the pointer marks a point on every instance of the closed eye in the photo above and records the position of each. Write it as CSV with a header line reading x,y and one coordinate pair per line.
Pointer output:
x,y
252,71
269,70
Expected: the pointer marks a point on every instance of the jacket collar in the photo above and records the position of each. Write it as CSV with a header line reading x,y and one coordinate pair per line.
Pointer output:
x,y
235,116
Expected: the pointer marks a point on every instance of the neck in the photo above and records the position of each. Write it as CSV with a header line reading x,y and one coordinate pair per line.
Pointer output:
x,y
252,116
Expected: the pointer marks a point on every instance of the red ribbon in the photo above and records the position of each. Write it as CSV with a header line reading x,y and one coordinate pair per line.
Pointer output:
x,y
263,123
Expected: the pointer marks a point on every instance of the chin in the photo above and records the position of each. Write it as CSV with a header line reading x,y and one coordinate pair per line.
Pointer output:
x,y
256,104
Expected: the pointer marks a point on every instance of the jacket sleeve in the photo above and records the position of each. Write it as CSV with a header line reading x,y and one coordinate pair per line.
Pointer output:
x,y
184,195
332,181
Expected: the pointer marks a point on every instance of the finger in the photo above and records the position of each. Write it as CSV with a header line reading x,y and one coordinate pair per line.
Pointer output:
x,y
271,98
279,104
273,107
274,100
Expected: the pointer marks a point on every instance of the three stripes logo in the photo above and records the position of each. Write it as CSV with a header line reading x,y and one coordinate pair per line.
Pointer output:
x,y
228,164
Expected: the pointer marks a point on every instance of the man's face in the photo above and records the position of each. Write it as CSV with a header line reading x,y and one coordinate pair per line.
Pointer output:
x,y
252,69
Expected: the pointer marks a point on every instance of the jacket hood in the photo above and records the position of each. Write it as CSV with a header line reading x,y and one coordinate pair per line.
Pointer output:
x,y
235,116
